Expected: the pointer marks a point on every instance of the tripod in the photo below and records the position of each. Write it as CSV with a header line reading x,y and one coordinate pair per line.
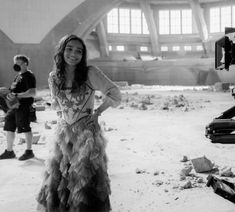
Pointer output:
x,y
221,129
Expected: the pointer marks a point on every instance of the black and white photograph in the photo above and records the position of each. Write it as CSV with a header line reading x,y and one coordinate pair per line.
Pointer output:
x,y
117,106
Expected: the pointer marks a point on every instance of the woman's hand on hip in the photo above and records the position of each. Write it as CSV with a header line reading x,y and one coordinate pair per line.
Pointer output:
x,y
92,122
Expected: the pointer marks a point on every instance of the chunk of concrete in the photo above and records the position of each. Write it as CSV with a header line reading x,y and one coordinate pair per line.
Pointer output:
x,y
186,171
47,126
202,164
226,172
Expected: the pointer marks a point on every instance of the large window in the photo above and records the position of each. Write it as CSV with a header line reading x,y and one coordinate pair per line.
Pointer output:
x,y
127,21
175,21
221,17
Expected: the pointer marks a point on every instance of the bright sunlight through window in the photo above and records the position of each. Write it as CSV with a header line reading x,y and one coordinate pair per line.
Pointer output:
x,y
120,48
221,17
143,48
126,21
164,48
175,21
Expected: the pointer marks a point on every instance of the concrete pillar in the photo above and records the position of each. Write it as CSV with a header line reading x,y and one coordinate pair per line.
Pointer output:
x,y
200,21
104,51
151,26
95,12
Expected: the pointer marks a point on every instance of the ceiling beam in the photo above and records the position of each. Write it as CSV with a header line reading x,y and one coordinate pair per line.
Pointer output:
x,y
148,13
101,32
96,11
200,21
199,18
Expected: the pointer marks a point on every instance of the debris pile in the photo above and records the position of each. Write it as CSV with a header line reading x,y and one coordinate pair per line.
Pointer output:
x,y
170,103
194,174
159,102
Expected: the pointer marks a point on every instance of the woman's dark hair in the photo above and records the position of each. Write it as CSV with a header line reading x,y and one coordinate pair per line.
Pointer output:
x,y
81,70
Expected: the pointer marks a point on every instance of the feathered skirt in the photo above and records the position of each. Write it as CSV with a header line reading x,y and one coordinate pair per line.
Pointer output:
x,y
76,177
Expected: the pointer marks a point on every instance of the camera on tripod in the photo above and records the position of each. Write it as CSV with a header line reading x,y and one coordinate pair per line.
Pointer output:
x,y
222,128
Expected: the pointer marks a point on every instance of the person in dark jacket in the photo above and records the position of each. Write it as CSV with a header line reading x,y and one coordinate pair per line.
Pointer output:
x,y
24,89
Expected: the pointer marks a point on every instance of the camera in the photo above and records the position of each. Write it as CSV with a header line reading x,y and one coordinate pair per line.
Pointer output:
x,y
225,50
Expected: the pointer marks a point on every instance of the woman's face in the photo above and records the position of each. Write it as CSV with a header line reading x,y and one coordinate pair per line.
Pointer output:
x,y
73,52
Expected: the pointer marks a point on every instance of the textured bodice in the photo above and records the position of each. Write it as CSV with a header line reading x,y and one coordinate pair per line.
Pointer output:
x,y
77,104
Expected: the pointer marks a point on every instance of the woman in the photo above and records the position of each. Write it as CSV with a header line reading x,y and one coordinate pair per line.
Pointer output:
x,y
76,178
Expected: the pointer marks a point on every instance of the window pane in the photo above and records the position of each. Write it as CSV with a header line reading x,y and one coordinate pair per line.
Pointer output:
x,y
199,48
214,20
186,21
145,26
164,22
136,21
175,21
110,48
112,21
120,48
164,48
124,15
188,48
143,48
175,48
225,18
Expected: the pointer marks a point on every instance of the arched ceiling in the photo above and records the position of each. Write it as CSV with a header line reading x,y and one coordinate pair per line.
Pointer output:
x,y
29,21
95,11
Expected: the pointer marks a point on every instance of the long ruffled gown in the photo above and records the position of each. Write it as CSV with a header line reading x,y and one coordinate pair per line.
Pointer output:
x,y
76,177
